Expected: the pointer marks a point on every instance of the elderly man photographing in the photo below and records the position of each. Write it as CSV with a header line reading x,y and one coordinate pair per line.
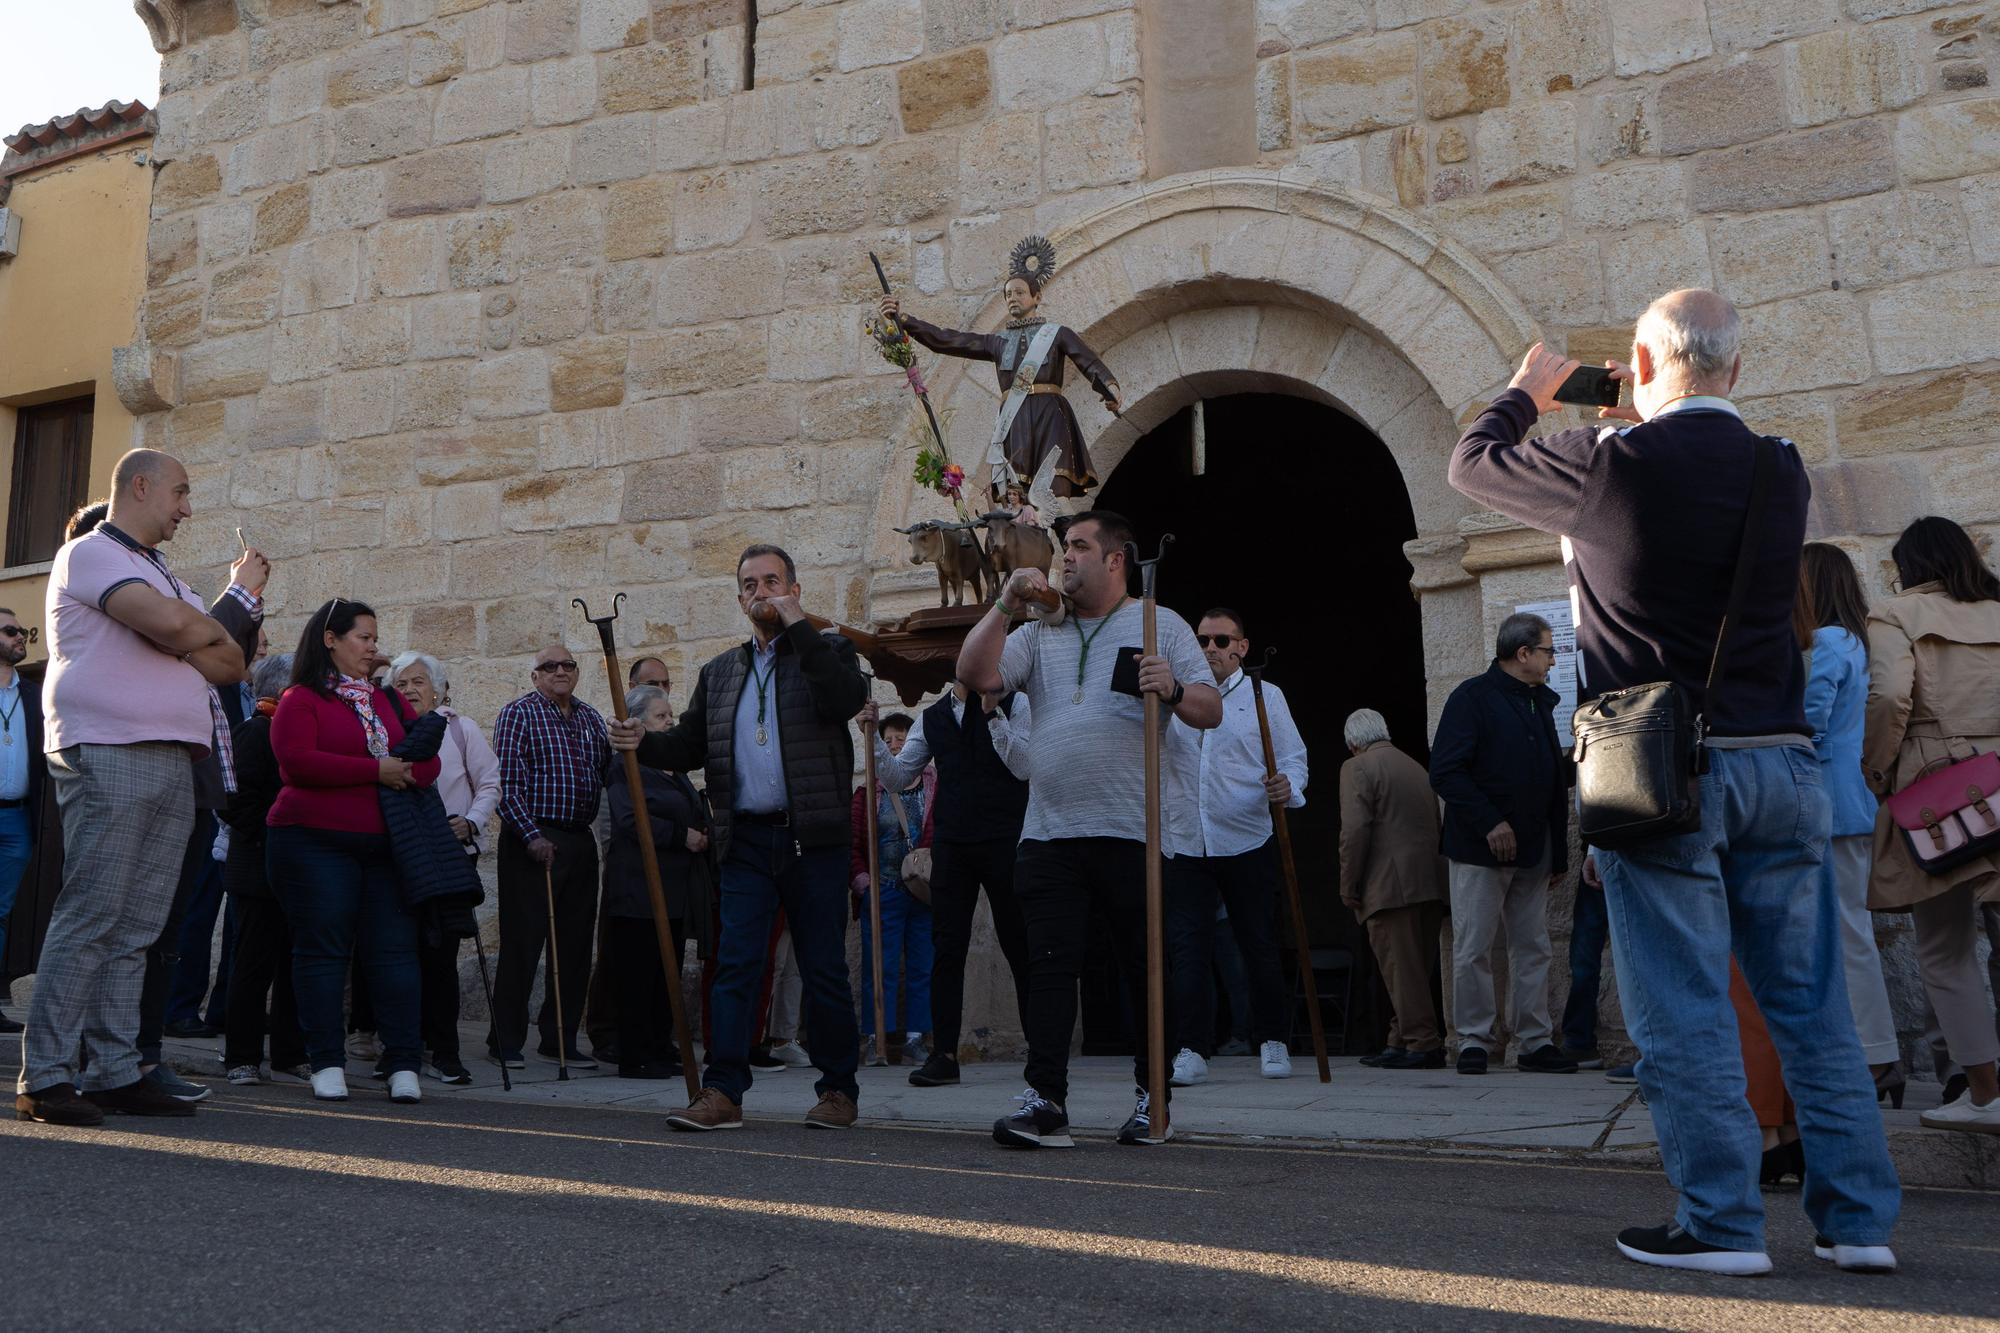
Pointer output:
x,y
1652,517
131,656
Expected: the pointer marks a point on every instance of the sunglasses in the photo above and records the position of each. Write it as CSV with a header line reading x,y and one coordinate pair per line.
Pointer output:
x,y
1219,640
553,667
13,631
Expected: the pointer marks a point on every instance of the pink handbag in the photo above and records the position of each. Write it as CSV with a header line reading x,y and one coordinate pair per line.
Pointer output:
x,y
1947,816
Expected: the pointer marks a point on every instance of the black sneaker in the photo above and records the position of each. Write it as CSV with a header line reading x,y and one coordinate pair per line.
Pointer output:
x,y
142,1096
1380,1058
191,1031
10,1026
1139,1128
507,1059
1586,1057
448,1070
1415,1060
1546,1060
1040,1123
1855,1258
764,1062
573,1057
1471,1060
1671,1247
939,1071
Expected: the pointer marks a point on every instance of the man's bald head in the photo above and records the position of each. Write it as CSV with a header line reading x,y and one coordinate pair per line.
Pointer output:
x,y
150,464
1695,338
149,496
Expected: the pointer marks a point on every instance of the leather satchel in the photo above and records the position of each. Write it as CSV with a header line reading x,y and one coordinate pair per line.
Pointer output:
x,y
1947,816
1641,751
915,872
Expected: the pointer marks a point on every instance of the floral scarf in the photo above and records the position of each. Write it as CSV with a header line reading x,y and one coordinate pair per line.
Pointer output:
x,y
360,696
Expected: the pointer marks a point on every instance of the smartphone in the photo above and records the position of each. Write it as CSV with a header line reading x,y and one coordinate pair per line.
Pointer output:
x,y
1589,386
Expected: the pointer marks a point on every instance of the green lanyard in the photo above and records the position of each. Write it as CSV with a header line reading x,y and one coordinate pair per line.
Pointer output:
x,y
763,681
1234,685
1083,657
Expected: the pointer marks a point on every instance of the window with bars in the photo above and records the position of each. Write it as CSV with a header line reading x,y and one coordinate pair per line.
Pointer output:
x,y
51,475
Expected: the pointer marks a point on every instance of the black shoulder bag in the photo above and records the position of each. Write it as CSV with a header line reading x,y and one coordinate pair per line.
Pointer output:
x,y
1641,751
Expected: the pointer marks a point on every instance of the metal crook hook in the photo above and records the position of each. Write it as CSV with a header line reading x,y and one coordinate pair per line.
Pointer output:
x,y
584,606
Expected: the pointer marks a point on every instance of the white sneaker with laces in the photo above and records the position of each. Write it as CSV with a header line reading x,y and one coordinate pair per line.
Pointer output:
x,y
405,1087
1855,1258
1277,1061
1963,1115
330,1084
793,1054
1189,1069
245,1075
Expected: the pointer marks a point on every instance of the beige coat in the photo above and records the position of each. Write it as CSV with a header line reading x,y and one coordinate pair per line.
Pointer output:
x,y
1933,695
1388,832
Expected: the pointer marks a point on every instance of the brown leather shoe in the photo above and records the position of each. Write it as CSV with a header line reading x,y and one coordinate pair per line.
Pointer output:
x,y
711,1110
141,1096
57,1105
836,1110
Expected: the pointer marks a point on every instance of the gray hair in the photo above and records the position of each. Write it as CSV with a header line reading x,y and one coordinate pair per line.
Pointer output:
x,y
1518,631
1364,727
640,697
1694,331
402,662
269,677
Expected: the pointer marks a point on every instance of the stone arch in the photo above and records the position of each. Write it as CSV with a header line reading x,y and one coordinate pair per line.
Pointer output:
x,y
1231,281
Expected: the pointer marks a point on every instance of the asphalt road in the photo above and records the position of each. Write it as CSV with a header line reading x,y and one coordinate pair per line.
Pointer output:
x,y
268,1210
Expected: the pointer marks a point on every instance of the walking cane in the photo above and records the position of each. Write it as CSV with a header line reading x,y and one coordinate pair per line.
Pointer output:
x,y
555,981
479,947
874,886
1156,949
1256,675
649,856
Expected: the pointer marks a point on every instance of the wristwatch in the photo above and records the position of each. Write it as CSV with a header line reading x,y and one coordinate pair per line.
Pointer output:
x,y
1180,693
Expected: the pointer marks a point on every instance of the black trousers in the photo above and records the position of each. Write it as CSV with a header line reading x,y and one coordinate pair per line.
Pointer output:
x,y
1058,882
263,965
524,930
1247,884
959,870
437,978
165,954
639,983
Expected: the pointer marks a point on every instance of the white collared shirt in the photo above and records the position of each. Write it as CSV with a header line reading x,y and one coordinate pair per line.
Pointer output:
x,y
1215,779
1009,731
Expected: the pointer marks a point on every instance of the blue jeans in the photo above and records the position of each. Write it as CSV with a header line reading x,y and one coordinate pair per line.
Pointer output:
x,y
766,871
17,848
341,896
188,982
1589,931
906,939
1749,880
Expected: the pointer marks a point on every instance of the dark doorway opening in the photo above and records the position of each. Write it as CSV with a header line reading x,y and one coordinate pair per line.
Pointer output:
x,y
1296,518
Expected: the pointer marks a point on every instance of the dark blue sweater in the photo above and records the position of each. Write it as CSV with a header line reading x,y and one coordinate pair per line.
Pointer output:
x,y
1496,760
1651,516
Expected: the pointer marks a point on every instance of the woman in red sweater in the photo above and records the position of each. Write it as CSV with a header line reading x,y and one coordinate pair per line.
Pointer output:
x,y
328,852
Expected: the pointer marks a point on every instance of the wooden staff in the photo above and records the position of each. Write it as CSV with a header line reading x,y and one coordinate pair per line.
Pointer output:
x,y
1156,935
649,857
1256,675
874,887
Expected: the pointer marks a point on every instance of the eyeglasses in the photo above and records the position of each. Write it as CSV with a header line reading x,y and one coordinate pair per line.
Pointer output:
x,y
1219,640
1544,648
13,631
553,667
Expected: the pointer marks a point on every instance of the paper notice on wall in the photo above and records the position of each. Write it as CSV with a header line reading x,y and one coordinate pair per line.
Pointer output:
x,y
1562,677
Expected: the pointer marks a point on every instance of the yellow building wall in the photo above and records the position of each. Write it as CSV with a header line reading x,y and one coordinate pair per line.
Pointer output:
x,y
69,298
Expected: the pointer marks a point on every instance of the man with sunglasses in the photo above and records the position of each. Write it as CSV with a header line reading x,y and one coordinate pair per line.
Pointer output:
x,y
553,749
1501,773
22,772
1225,855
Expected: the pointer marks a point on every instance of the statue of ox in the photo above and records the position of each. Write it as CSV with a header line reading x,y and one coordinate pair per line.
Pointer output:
x,y
955,552
1016,545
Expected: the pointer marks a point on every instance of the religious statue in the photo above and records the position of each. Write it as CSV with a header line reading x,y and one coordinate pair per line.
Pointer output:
x,y
1037,446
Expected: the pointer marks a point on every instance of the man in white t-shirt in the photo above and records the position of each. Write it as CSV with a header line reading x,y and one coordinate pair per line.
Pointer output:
x,y
1084,840
131,654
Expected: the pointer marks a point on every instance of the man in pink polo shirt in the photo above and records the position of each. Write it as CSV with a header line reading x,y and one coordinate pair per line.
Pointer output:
x,y
131,652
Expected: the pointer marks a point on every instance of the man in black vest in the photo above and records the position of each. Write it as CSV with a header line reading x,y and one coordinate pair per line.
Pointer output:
x,y
768,722
981,752
22,773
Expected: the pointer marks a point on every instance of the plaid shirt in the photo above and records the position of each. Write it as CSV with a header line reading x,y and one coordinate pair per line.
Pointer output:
x,y
551,766
225,752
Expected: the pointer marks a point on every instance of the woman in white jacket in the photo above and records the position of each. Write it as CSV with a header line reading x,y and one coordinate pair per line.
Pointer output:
x,y
469,783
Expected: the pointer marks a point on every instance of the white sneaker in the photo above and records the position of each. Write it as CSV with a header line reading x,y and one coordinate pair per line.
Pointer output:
x,y
1189,1069
1276,1059
1855,1258
405,1087
793,1054
330,1084
245,1076
1963,1115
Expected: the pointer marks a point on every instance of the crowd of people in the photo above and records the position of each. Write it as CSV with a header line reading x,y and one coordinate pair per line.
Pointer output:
x,y
338,805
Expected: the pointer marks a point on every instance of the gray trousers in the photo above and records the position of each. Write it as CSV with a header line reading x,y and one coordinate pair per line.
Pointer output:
x,y
1483,898
127,811
1948,928
1847,861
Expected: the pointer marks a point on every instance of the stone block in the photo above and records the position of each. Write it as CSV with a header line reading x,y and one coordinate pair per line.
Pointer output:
x,y
1364,83
822,270
693,360
524,167
360,406
782,478
811,344
1561,285
322,274
1890,237
478,250
1745,25
614,149
186,183
1845,73
1806,419
689,136
304,347
797,44
1497,224
1274,104
1949,139
606,24
1835,162
916,178
548,500
482,105
1933,322
562,92
951,23
625,296
368,70
223,233
289,415
376,131
172,252
1284,25
243,296
1654,36
1629,196
374,334
540,29
144,377
711,208
849,112
725,60
1559,45
951,89
561,230
574,440
1523,145
1981,199
735,418
1648,262
879,32
1949,409
1808,342
271,158
446,630
295,92
1465,63
434,57
641,431
445,326
638,219
445,181
1097,141
1765,256
673,19
685,488
1048,66
730,284
554,305
460,513
486,452
824,194
282,216
1735,103
1619,125
589,372
647,551
173,315
1401,13
873,409
649,78
430,394
513,385
1867,11
346,200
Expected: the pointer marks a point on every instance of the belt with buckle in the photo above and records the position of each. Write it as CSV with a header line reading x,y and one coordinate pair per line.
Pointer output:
x,y
774,818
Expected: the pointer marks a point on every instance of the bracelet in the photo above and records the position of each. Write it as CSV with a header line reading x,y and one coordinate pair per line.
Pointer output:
x,y
1005,609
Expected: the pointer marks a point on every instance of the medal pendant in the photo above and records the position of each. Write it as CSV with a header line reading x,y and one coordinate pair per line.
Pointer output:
x,y
763,736
1077,698
8,739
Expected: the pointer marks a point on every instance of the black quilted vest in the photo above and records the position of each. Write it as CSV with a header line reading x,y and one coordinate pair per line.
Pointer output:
x,y
818,755
977,798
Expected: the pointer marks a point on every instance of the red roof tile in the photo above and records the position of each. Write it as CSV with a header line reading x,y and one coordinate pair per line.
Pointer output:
x,y
67,136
